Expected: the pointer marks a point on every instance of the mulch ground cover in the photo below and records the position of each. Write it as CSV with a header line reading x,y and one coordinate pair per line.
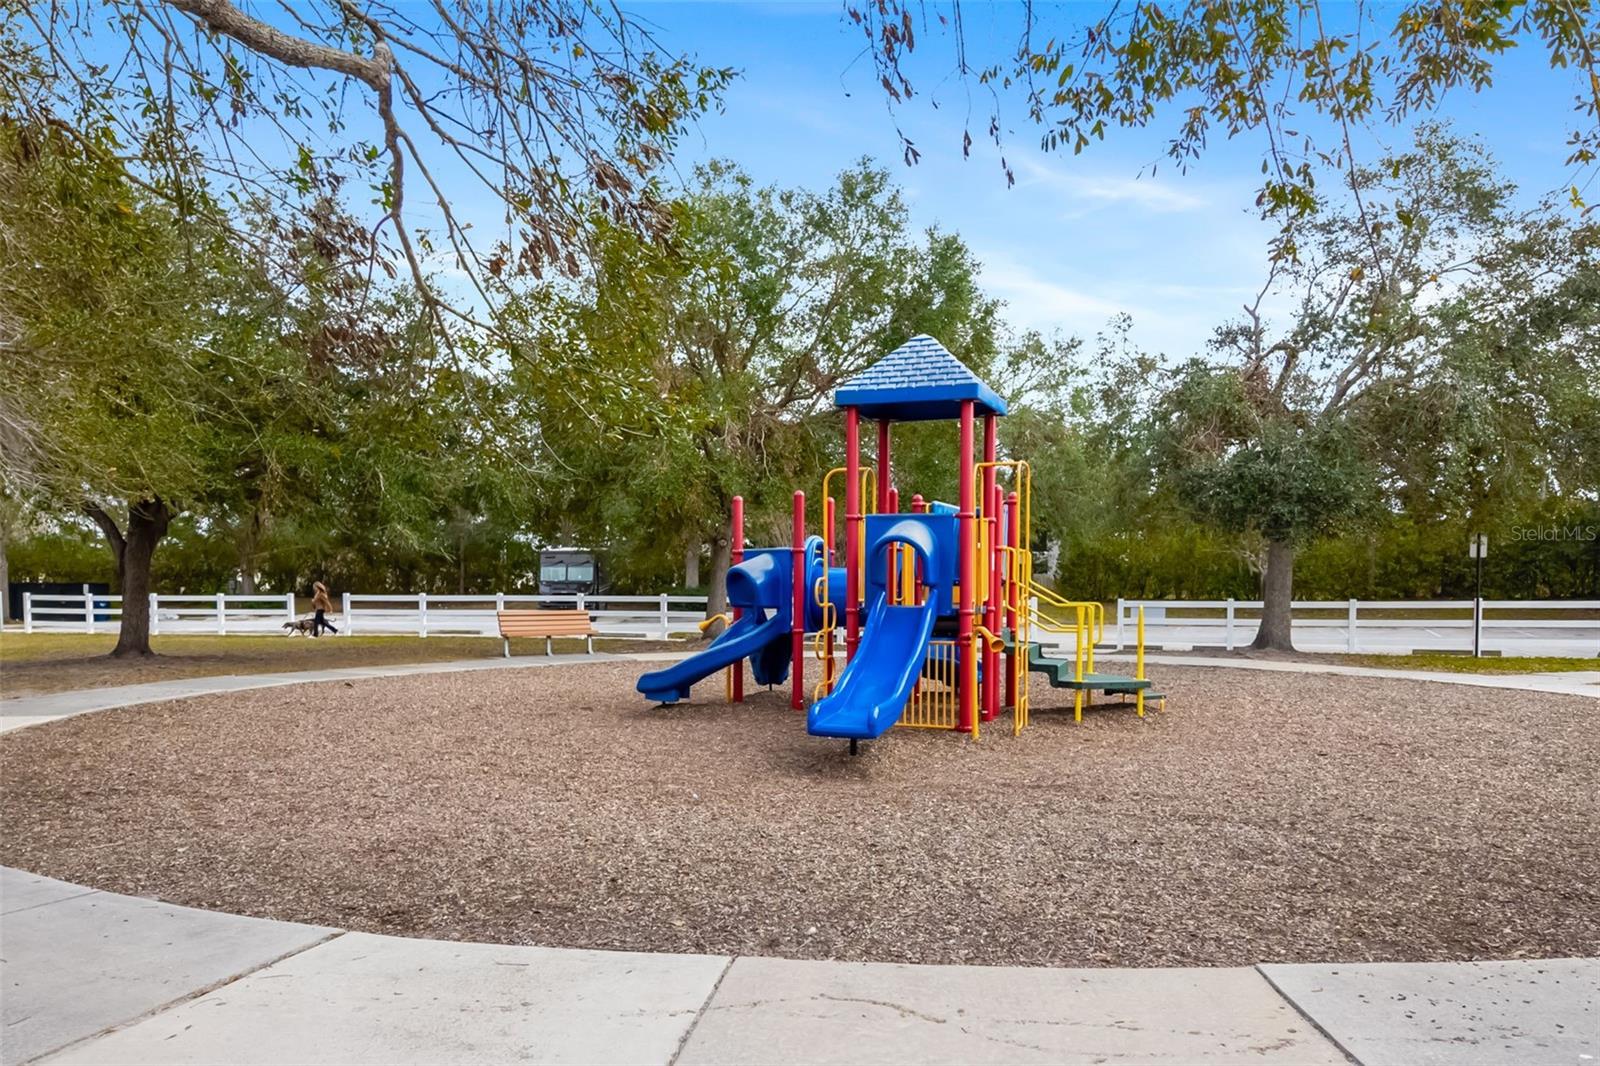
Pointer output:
x,y
1263,817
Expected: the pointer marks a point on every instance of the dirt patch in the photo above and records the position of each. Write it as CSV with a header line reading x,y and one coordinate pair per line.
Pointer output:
x,y
1261,818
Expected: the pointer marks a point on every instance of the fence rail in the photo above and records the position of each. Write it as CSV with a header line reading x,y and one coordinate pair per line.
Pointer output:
x,y
1512,627
660,617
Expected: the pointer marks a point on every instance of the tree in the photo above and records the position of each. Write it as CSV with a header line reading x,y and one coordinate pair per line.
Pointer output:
x,y
1302,77
141,372
558,109
678,377
1293,434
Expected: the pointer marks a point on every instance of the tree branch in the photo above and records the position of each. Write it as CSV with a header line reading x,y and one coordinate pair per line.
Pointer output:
x,y
222,17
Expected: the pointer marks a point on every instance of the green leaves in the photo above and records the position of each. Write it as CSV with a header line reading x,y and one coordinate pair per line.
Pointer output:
x,y
1274,68
679,376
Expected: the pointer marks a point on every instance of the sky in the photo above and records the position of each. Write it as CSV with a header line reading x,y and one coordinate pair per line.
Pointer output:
x,y
1078,238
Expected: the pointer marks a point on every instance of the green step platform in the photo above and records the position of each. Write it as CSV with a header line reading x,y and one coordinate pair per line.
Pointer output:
x,y
1060,672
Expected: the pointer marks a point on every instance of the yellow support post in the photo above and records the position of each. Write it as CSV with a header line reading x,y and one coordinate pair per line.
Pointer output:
x,y
1138,665
1077,670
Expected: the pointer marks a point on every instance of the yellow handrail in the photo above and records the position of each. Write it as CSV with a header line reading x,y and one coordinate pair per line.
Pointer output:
x,y
868,499
994,640
822,641
1019,578
724,617
1097,617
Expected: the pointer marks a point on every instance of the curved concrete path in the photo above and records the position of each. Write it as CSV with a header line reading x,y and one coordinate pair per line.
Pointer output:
x,y
1565,682
94,977
25,711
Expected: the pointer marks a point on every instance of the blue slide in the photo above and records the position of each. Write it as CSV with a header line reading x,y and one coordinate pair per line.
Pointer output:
x,y
751,635
870,695
760,588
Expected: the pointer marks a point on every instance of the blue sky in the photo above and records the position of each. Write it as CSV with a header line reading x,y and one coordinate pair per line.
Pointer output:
x,y
1078,238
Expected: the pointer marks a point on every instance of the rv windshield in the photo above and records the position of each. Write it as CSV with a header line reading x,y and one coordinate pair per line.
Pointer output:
x,y
555,571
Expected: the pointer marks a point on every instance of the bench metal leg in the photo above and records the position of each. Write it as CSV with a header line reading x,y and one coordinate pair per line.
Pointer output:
x,y
588,645
547,648
507,642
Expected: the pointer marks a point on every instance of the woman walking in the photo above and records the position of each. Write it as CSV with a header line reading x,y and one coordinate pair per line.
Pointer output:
x,y
322,605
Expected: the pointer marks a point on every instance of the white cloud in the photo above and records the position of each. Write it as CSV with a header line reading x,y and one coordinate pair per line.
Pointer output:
x,y
1101,188
1177,322
1038,303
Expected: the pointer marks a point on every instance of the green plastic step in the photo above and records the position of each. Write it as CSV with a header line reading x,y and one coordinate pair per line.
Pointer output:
x,y
1107,683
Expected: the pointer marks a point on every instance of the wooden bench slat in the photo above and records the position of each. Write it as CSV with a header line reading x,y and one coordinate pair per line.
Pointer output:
x,y
546,624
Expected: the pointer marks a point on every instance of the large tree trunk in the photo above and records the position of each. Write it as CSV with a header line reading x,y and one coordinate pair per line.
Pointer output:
x,y
246,545
133,550
1277,593
5,573
691,564
717,594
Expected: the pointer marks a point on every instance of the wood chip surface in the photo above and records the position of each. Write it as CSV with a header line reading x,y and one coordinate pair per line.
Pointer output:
x,y
1263,817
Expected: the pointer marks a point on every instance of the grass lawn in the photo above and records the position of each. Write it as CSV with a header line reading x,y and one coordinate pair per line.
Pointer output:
x,y
35,663
1466,664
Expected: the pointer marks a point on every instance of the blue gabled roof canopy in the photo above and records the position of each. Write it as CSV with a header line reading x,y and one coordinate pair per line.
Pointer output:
x,y
918,382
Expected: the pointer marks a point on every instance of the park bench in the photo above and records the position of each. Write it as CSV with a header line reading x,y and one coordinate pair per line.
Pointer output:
x,y
546,624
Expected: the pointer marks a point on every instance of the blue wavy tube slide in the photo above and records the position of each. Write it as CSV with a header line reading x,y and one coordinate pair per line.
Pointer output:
x,y
872,691
760,583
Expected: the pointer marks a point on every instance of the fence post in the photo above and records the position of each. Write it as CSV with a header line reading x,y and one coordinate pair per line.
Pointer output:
x,y
27,612
88,610
1228,639
222,616
664,633
499,602
155,614
345,604
422,614
288,607
1119,623
1350,638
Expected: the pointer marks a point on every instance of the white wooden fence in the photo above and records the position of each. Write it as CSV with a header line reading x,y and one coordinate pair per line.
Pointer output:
x,y
1511,627
651,617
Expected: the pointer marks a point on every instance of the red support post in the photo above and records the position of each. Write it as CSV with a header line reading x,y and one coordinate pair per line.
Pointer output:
x,y
1014,596
991,619
852,531
885,470
736,556
827,561
991,658
966,663
797,624
918,507
892,557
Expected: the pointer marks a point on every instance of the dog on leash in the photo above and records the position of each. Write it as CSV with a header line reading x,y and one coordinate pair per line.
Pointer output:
x,y
301,626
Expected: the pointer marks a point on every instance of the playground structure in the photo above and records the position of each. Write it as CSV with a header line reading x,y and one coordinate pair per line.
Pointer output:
x,y
938,605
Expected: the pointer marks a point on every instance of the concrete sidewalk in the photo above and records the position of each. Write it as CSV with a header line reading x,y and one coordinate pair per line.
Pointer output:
x,y
1569,683
24,711
93,977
